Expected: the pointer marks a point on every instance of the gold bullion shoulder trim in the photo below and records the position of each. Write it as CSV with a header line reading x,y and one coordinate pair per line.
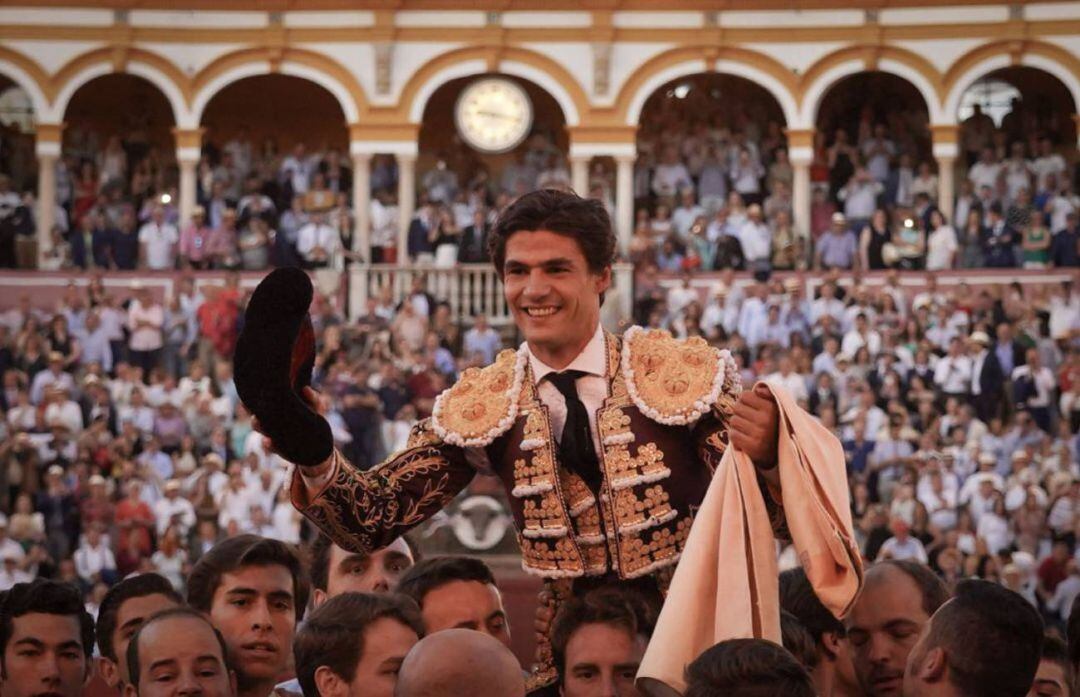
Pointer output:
x,y
483,404
674,381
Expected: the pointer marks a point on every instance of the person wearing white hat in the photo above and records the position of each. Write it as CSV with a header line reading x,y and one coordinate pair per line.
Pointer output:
x,y
175,510
53,375
987,377
9,547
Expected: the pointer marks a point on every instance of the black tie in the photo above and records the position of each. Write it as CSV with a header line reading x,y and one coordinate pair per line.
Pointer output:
x,y
576,452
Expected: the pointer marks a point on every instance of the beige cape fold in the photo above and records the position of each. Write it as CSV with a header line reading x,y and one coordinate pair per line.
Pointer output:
x,y
726,584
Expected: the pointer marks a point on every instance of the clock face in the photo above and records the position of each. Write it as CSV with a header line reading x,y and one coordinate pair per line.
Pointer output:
x,y
493,115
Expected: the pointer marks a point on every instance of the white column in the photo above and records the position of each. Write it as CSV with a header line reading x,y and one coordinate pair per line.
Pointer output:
x,y
947,188
945,150
188,185
800,195
47,154
361,196
406,202
624,200
579,174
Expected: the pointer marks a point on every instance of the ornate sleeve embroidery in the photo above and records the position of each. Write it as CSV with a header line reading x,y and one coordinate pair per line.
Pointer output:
x,y
366,510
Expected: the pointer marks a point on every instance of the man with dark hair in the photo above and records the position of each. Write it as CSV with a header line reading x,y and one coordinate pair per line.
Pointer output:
x,y
597,642
567,417
795,638
832,672
335,570
254,592
123,610
1054,677
457,592
984,642
896,602
46,640
354,643
747,668
179,652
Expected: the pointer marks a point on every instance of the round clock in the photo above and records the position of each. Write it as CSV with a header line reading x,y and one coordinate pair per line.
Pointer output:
x,y
493,115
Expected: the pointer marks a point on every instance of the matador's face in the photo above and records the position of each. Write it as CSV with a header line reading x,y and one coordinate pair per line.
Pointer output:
x,y
552,293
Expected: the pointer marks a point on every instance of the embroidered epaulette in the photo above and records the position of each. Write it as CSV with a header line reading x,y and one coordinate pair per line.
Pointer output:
x,y
482,404
675,381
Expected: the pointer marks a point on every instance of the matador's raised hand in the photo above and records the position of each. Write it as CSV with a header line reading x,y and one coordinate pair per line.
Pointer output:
x,y
274,357
755,426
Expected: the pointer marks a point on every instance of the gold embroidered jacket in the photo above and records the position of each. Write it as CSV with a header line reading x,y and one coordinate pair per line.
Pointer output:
x,y
662,431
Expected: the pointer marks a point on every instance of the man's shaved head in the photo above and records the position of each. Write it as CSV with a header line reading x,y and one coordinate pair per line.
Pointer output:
x,y
457,662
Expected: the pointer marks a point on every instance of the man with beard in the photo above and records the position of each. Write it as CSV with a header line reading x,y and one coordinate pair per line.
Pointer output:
x,y
897,601
253,591
984,642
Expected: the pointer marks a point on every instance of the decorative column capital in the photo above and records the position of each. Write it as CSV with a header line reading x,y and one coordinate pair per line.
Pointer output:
x,y
48,139
188,144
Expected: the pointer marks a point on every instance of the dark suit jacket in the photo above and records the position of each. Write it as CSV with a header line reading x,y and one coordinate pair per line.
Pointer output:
x,y
419,242
991,378
473,247
100,241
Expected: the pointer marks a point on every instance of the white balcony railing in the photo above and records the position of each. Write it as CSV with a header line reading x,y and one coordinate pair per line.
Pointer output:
x,y
469,289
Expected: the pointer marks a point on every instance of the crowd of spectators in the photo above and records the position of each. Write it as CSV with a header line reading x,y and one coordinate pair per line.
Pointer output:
x,y
717,194
709,194
125,452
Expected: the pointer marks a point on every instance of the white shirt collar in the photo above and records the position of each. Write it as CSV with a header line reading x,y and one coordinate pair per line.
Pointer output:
x,y
591,360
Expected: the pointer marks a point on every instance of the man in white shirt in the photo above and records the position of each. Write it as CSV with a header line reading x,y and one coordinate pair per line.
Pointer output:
x,y
787,378
986,171
9,548
481,340
686,213
756,240
878,151
62,410
94,561
902,546
861,335
670,175
952,374
54,375
1047,163
157,241
175,510
1034,385
145,320
860,197
317,242
827,304
297,169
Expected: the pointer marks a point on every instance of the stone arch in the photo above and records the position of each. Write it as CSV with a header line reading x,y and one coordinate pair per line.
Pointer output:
x,y
27,74
670,65
308,65
836,66
527,65
1003,54
155,69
